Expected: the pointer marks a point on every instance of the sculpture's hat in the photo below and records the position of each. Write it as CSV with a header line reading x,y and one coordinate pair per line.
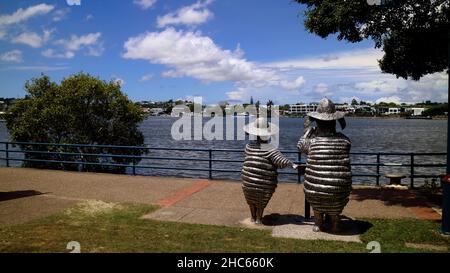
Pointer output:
x,y
261,127
326,111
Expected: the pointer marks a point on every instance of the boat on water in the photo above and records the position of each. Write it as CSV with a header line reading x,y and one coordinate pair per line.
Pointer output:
x,y
418,117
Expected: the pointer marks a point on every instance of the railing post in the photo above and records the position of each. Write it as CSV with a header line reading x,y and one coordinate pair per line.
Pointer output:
x,y
412,170
82,161
7,154
210,164
299,177
378,168
134,166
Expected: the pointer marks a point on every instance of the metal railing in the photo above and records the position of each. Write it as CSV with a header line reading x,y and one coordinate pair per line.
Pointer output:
x,y
211,159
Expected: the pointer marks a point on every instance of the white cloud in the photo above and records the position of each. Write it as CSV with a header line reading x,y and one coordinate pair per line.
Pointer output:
x,y
50,53
189,54
431,87
194,14
349,99
235,95
76,42
144,4
322,89
394,99
146,78
13,56
73,2
70,46
89,17
60,14
95,51
118,80
22,15
383,86
293,85
32,38
355,59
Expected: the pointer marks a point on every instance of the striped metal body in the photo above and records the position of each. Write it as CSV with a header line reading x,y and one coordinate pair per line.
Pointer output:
x,y
328,176
259,173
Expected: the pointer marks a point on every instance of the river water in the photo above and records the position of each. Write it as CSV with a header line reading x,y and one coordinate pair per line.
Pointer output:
x,y
367,135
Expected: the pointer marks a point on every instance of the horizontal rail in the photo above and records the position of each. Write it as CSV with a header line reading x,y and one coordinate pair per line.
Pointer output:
x,y
77,155
202,149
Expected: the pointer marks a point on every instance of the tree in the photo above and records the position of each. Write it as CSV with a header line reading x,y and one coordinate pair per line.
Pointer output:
x,y
412,33
257,104
80,110
354,102
269,105
436,110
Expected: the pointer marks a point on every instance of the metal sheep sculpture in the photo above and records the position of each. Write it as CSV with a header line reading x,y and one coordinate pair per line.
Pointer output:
x,y
328,176
259,173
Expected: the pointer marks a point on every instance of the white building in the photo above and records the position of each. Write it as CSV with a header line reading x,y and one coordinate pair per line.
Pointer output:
x,y
393,111
156,111
302,108
417,111
180,110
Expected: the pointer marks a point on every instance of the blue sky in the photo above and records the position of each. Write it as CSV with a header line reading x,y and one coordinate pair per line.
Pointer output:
x,y
220,50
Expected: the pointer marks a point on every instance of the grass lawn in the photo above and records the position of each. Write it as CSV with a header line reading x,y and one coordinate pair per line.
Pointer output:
x,y
107,227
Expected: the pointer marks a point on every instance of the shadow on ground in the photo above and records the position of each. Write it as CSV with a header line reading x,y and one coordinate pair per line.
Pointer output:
x,y
5,196
348,226
390,197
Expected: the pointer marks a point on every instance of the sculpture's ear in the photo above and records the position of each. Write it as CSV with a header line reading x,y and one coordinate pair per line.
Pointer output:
x,y
342,122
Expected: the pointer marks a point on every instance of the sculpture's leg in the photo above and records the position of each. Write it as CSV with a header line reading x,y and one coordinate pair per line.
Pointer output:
x,y
259,213
253,212
334,223
318,221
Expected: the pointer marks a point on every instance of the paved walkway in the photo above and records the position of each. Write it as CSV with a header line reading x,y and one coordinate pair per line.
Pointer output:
x,y
29,193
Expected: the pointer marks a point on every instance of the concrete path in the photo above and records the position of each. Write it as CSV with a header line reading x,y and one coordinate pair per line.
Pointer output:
x,y
29,193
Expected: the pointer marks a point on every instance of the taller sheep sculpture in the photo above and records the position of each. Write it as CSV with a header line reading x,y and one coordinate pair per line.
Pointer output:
x,y
328,176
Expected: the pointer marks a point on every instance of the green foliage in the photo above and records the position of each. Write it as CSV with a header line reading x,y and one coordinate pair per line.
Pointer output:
x,y
412,33
355,102
436,110
386,104
80,110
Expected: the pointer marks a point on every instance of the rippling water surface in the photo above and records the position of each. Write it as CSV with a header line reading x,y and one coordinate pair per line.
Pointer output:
x,y
367,135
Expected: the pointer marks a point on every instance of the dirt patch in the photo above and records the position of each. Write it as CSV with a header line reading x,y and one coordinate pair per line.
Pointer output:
x,y
93,208
426,246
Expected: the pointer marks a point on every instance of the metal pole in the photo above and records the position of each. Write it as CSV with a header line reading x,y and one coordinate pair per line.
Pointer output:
x,y
307,206
378,168
7,154
299,176
412,171
446,186
210,163
134,166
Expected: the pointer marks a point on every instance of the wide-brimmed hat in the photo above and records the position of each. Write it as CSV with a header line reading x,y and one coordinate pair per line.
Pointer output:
x,y
326,111
261,127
